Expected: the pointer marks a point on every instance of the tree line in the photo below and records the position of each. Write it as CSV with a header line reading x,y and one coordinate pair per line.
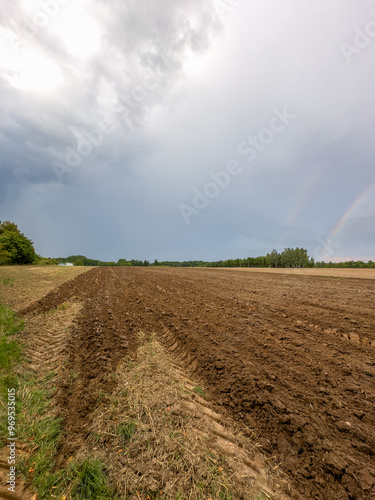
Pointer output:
x,y
288,258
81,260
16,248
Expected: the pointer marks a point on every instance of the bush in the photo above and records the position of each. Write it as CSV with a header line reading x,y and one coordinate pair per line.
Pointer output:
x,y
78,262
46,262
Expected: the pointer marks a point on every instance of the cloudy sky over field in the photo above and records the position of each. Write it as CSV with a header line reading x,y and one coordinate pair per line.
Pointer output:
x,y
196,129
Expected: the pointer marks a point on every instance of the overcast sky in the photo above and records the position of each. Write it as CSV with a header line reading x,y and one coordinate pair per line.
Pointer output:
x,y
196,129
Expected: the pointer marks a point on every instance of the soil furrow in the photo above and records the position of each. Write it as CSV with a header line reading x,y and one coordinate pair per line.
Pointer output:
x,y
289,356
309,393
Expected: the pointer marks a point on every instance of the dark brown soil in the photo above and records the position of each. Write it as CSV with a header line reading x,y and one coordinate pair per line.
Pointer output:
x,y
292,356
101,338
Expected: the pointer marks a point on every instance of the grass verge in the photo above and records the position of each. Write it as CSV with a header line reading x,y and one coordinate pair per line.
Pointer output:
x,y
40,429
10,354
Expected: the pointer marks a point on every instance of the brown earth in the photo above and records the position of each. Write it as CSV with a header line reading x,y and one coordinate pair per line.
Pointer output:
x,y
100,338
291,356
332,272
181,447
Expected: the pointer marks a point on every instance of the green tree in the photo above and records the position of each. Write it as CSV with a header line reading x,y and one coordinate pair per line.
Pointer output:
x,y
274,258
15,248
4,256
123,262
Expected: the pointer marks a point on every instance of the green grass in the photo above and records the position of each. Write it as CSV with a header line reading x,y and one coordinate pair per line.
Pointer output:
x,y
8,281
10,350
7,381
88,480
60,307
9,322
39,429
42,432
73,375
10,353
82,480
47,433
332,277
199,390
127,429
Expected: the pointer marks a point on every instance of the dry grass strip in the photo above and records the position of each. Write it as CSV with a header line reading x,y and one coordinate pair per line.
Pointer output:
x,y
162,440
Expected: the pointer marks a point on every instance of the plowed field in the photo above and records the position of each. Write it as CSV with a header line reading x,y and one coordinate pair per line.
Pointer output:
x,y
290,356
